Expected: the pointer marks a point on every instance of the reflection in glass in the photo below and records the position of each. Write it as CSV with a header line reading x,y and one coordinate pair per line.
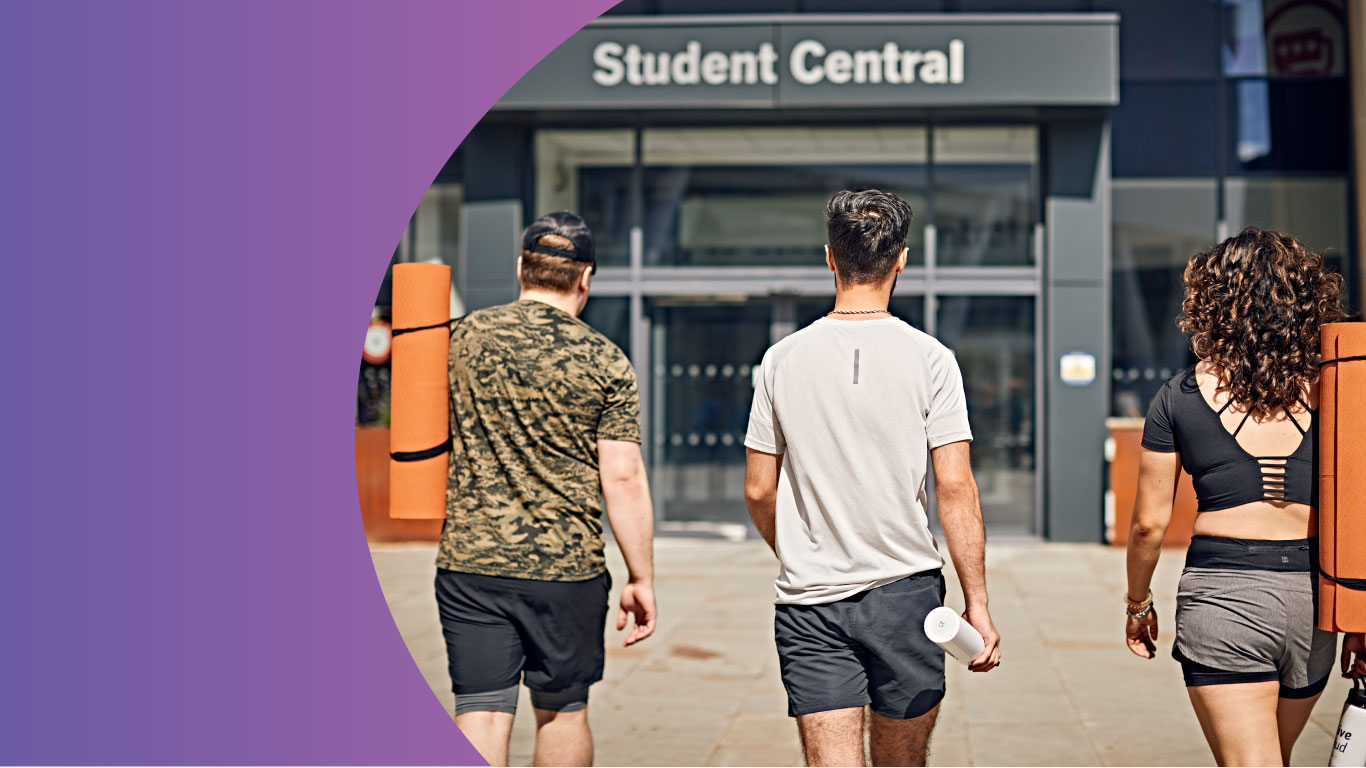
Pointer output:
x,y
703,358
756,196
610,316
1313,211
589,172
984,186
1157,225
992,338
1244,45
1285,39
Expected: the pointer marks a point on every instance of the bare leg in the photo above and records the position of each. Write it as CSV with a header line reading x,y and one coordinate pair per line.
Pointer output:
x,y
488,732
563,738
902,742
1291,715
1239,721
833,737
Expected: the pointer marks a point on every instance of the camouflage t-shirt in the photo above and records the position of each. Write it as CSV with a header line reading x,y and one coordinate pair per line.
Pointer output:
x,y
532,390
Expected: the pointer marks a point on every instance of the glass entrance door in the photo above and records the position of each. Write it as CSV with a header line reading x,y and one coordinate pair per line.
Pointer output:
x,y
995,341
703,355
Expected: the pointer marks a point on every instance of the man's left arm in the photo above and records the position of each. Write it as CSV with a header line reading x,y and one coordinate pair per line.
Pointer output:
x,y
761,492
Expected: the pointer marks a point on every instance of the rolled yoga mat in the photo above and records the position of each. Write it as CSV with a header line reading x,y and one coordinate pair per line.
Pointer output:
x,y
959,639
1342,478
419,415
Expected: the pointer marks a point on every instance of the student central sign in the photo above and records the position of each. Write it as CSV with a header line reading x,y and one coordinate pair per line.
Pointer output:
x,y
809,63
814,61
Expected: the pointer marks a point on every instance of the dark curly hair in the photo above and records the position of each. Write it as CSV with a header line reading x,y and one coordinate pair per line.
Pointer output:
x,y
1254,305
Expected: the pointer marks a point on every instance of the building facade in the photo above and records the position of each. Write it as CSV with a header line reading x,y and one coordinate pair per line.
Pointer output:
x,y
1063,159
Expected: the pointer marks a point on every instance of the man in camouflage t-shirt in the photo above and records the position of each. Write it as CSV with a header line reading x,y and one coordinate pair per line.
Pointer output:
x,y
545,420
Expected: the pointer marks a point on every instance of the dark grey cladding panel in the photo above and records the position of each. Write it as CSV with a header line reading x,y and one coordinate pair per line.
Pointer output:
x,y
796,61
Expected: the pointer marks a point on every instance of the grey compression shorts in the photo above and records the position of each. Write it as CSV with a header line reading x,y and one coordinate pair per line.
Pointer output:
x,y
505,700
1245,614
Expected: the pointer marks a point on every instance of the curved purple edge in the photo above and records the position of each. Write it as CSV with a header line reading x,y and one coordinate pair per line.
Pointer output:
x,y
198,204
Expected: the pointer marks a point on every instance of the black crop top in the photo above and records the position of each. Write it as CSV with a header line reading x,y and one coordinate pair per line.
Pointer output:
x,y
1225,475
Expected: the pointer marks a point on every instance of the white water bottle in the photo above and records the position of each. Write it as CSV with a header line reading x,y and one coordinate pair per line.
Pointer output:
x,y
1349,749
955,635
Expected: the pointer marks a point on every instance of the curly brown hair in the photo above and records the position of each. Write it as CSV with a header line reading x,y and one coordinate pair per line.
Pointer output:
x,y
1254,304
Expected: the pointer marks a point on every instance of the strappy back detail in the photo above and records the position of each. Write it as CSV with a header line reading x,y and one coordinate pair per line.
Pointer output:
x,y
1225,473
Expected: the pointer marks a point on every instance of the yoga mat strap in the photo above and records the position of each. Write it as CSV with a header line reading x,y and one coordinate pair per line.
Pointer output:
x,y
449,324
1356,584
422,455
1348,359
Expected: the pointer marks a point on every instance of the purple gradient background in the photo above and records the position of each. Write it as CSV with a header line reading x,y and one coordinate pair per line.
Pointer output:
x,y
199,201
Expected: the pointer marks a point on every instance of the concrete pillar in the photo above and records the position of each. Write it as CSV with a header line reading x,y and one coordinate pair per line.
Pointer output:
x,y
1077,319
495,161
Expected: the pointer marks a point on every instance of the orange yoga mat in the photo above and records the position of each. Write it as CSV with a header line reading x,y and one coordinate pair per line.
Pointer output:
x,y
419,420
1342,478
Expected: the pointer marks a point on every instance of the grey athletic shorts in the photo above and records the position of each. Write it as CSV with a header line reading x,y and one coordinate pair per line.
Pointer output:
x,y
1245,614
867,649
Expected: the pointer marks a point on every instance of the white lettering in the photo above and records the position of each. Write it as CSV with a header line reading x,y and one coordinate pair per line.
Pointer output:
x,y
797,62
810,63
936,68
656,68
867,66
909,61
891,57
744,67
839,67
715,68
767,59
632,59
687,63
607,57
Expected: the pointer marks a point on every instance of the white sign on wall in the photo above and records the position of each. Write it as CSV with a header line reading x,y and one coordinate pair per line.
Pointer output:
x,y
1077,369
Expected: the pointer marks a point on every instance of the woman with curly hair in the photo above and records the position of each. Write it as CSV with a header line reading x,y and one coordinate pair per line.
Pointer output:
x,y
1241,422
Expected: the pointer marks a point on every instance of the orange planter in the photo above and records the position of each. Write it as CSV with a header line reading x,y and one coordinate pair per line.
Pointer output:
x,y
1126,436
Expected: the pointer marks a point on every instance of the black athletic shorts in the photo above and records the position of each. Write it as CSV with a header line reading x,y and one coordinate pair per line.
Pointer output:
x,y
867,649
501,631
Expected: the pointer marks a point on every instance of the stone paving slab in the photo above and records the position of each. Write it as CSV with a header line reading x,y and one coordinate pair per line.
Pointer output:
x,y
705,689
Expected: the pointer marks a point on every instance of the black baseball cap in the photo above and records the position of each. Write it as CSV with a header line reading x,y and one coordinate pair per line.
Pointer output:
x,y
566,225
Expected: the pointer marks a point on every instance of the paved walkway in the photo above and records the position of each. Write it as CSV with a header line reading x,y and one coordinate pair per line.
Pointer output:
x,y
705,689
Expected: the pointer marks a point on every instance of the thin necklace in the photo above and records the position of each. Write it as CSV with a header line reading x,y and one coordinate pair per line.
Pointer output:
x,y
857,312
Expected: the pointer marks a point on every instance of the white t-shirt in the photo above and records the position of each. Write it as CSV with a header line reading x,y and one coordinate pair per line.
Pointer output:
x,y
854,407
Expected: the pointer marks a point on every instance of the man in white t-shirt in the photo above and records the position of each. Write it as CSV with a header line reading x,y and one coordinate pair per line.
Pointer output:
x,y
846,412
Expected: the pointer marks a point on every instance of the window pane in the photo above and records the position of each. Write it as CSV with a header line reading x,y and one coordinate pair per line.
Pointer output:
x,y
1166,129
1166,38
589,173
984,185
993,339
756,196
1313,211
1289,125
611,316
1285,39
1156,225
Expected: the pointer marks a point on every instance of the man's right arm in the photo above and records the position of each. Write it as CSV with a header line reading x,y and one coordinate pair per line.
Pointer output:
x,y
626,492
960,514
